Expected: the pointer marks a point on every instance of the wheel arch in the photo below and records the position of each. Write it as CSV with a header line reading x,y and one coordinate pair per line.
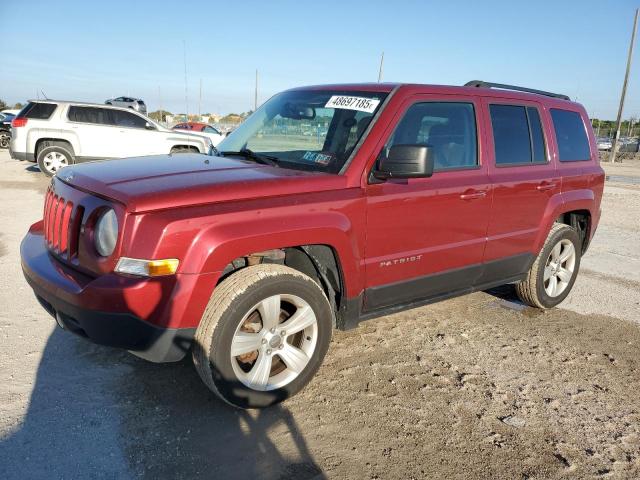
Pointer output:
x,y
65,143
193,148
573,206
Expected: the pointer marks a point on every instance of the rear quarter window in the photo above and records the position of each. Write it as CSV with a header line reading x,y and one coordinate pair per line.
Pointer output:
x,y
571,135
38,111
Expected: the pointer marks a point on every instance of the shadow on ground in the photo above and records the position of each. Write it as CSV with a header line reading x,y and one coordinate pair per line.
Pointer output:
x,y
97,412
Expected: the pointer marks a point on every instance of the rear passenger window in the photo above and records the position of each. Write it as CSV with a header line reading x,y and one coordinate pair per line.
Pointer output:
x,y
98,116
573,145
38,111
517,135
449,128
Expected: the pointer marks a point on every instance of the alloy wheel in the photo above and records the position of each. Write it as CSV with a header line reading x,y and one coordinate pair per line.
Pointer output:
x,y
54,161
274,342
559,268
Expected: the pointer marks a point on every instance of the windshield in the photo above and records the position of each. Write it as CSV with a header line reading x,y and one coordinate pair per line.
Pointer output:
x,y
307,129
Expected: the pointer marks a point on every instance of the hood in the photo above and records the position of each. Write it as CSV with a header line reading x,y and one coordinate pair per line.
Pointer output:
x,y
168,181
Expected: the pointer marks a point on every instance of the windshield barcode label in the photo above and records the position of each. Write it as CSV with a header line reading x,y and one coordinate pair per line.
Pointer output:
x,y
361,104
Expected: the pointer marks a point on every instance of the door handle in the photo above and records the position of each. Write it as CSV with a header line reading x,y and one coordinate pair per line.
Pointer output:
x,y
543,186
472,194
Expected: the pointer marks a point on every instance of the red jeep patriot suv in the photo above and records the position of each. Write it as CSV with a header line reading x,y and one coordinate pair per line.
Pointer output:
x,y
327,206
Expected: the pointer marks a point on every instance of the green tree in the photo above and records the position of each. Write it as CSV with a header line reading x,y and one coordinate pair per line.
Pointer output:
x,y
3,105
18,106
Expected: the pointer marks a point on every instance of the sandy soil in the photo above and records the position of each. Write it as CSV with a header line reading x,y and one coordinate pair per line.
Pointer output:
x,y
475,387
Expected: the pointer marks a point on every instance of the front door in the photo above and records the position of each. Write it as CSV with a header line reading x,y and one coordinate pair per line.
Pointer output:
x,y
97,136
426,237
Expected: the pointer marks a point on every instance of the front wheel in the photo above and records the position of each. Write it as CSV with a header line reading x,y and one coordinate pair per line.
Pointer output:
x,y
5,139
554,271
263,335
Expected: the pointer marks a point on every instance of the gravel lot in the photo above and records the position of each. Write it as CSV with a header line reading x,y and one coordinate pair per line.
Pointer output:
x,y
474,387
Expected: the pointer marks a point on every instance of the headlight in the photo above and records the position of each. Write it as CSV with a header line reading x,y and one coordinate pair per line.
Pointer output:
x,y
106,234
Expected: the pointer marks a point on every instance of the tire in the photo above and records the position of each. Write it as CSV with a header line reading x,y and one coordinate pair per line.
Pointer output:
x,y
181,149
52,156
536,290
5,139
234,313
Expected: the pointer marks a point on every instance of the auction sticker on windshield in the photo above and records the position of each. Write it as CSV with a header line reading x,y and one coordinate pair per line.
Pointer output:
x,y
361,104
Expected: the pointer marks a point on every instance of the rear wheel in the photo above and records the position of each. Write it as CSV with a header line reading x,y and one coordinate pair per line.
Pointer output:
x,y
554,271
52,157
263,335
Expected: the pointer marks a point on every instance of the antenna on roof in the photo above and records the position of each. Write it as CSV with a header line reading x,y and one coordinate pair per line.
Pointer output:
x,y
380,71
44,95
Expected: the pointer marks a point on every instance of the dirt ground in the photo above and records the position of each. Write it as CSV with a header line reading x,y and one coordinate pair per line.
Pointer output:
x,y
475,387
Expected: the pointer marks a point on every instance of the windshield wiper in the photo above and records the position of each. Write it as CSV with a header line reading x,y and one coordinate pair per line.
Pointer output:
x,y
257,157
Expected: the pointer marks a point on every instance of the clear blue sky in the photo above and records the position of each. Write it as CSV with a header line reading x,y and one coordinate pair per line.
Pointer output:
x,y
92,50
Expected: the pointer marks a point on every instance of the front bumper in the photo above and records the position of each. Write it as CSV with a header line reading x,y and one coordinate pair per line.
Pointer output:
x,y
136,314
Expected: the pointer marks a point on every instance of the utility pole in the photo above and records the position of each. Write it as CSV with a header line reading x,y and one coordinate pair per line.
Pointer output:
x,y
612,158
200,100
598,130
255,96
380,70
186,96
160,102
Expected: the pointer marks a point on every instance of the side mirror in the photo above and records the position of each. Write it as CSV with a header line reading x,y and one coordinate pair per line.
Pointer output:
x,y
148,126
406,161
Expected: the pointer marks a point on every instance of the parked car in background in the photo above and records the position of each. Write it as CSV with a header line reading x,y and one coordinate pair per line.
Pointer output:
x,y
604,143
127,102
5,129
60,133
629,145
11,111
416,193
202,129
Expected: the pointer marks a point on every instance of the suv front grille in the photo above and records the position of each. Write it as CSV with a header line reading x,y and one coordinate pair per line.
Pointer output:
x,y
61,225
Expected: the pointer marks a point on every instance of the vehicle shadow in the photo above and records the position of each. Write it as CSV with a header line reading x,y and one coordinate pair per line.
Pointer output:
x,y
33,168
98,412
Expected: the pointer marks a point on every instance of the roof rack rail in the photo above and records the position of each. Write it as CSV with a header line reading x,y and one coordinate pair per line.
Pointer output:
x,y
483,84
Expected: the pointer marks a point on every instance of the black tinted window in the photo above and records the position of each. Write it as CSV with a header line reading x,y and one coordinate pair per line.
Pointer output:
x,y
448,127
510,134
98,116
537,137
126,119
571,135
38,111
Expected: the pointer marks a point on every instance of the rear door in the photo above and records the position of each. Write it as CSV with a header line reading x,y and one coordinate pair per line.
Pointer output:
x,y
524,178
426,237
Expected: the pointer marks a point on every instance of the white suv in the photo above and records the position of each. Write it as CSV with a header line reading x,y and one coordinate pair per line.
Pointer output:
x,y
56,134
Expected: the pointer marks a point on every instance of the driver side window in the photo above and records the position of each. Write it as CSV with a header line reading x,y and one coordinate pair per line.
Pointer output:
x,y
449,128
